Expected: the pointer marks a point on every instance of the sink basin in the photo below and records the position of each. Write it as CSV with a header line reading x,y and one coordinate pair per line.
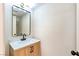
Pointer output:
x,y
19,44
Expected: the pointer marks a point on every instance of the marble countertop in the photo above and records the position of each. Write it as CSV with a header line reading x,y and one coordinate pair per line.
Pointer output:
x,y
20,44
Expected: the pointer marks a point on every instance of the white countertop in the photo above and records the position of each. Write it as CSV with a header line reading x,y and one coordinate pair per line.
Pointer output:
x,y
20,44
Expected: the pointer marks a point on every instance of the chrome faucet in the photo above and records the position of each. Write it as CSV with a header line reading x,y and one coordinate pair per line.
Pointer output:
x,y
23,37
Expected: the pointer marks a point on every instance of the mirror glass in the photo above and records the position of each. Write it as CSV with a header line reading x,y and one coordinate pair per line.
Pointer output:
x,y
21,21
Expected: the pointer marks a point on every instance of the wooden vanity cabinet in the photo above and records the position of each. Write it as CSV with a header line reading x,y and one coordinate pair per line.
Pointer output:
x,y
31,50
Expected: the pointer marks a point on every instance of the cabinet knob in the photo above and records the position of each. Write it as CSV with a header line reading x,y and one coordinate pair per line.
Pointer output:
x,y
75,53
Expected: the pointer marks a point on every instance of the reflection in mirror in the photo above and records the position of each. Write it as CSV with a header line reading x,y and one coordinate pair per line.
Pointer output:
x,y
21,20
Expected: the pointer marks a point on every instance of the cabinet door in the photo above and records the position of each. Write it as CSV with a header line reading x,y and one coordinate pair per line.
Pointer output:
x,y
36,49
20,52
33,50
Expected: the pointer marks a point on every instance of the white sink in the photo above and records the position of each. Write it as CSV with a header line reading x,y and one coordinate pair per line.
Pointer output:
x,y
19,44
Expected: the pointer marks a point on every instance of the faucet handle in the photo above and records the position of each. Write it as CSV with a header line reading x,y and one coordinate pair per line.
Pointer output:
x,y
24,34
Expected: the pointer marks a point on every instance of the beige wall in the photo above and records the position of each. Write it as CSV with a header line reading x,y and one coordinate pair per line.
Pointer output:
x,y
54,25
2,45
8,26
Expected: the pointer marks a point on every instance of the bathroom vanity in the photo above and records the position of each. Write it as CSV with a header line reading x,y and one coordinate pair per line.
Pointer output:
x,y
28,47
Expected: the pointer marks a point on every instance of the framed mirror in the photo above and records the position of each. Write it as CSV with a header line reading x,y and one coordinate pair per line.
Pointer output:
x,y
21,21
